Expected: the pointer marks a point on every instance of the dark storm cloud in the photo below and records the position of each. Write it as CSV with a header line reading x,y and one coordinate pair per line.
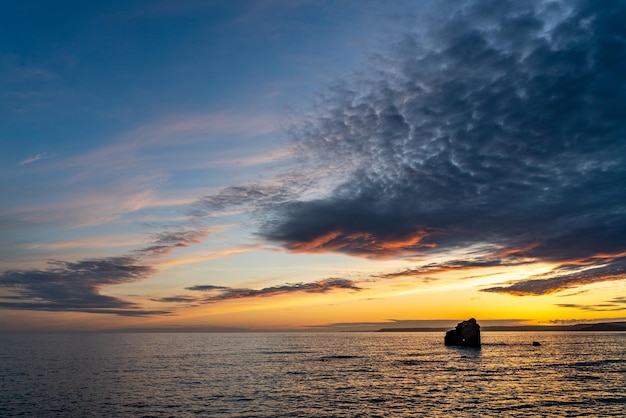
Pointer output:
x,y
504,124
222,293
75,286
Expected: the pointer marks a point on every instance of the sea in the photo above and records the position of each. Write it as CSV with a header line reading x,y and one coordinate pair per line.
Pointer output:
x,y
391,374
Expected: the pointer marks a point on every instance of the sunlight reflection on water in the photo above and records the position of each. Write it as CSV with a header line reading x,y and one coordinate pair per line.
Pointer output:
x,y
312,374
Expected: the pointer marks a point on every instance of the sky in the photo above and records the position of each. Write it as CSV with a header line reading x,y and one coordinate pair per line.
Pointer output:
x,y
311,165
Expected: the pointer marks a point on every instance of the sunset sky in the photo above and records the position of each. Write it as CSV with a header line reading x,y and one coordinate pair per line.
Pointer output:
x,y
299,164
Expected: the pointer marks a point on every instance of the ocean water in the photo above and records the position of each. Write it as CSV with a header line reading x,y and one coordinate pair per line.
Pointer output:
x,y
311,375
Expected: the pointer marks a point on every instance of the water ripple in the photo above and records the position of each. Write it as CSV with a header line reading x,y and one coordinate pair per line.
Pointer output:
x,y
311,375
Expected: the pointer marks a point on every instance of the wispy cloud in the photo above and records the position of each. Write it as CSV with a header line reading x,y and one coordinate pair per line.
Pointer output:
x,y
260,196
167,241
567,276
175,299
91,206
223,293
454,266
213,255
116,241
109,182
30,160
615,304
173,134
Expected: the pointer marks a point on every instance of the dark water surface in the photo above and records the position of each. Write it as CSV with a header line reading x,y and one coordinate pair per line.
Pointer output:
x,y
311,375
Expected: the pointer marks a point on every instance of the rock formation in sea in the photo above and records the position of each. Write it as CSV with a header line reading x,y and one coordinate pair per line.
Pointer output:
x,y
466,334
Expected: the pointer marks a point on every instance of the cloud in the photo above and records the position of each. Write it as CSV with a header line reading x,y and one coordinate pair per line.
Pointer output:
x,y
207,288
258,197
615,304
167,241
245,195
453,265
227,252
113,241
500,126
78,206
184,136
175,299
222,293
567,276
30,160
74,286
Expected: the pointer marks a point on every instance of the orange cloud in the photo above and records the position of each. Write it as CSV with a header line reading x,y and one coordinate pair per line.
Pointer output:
x,y
516,252
363,243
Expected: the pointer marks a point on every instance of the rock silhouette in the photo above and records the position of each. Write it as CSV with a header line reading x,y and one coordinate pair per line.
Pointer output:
x,y
466,334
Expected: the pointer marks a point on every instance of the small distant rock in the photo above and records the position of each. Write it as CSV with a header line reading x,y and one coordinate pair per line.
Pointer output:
x,y
536,343
466,334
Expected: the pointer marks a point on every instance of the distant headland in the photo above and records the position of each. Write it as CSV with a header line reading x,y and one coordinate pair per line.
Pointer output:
x,y
602,326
